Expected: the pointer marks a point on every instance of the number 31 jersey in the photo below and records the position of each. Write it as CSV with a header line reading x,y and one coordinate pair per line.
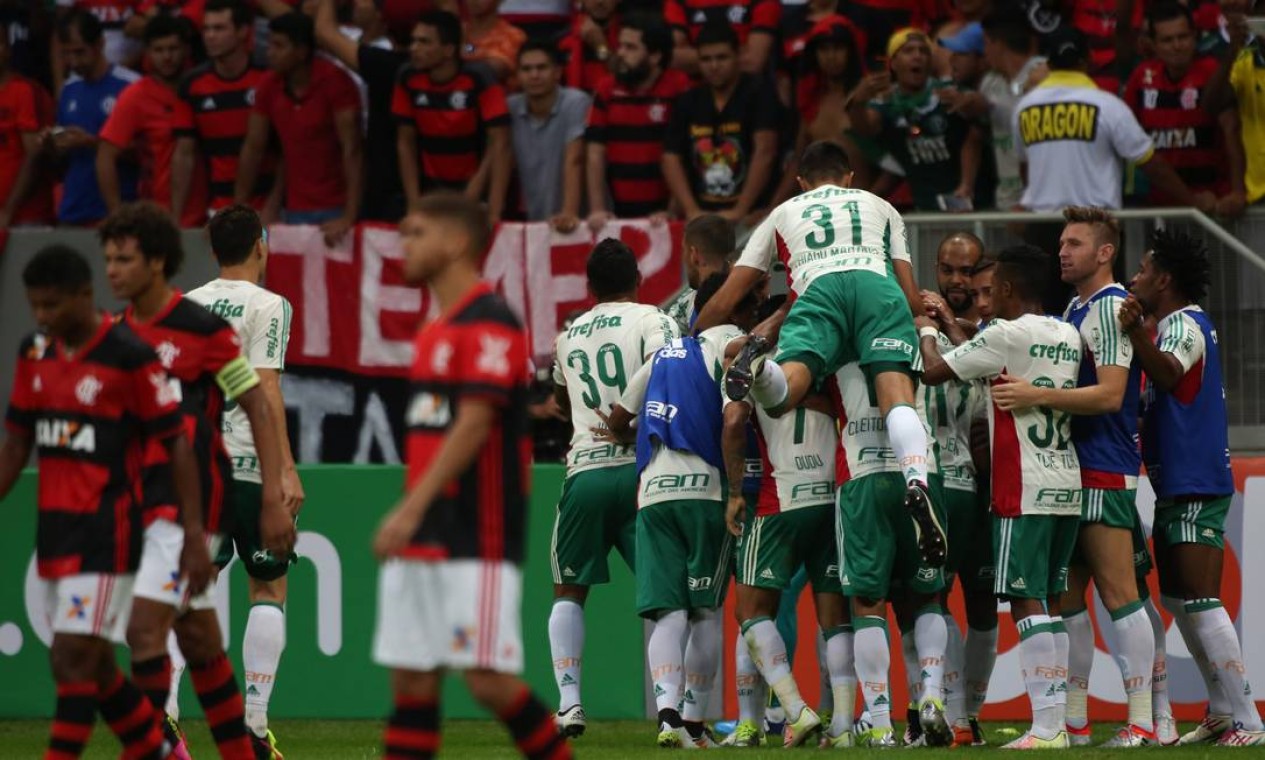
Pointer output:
x,y
1035,469
594,360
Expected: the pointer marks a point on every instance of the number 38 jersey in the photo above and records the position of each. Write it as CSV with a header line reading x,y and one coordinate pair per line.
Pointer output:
x,y
828,229
595,359
1035,469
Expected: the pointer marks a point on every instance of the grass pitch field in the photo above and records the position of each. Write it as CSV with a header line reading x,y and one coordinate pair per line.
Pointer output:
x,y
606,740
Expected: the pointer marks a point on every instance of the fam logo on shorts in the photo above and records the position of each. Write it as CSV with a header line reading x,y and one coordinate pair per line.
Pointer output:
x,y
926,574
78,607
463,638
700,584
892,344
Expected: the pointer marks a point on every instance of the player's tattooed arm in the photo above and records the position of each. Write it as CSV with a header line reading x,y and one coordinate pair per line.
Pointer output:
x,y
1164,369
733,442
14,454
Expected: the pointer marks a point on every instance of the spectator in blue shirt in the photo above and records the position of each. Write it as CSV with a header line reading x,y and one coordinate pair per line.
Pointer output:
x,y
85,103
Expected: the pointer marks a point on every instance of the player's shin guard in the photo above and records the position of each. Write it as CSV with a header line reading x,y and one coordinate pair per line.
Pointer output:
x,y
153,676
769,652
702,661
262,645
177,672
533,729
841,663
72,722
133,719
222,703
931,637
1059,629
827,700
412,730
954,685
1037,659
1136,658
873,661
752,690
909,442
1221,642
667,659
1080,661
980,656
913,676
1218,702
566,644
770,389
1159,667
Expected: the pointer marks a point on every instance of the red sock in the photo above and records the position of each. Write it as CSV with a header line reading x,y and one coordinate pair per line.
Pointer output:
x,y
413,730
72,723
533,729
222,702
153,676
133,719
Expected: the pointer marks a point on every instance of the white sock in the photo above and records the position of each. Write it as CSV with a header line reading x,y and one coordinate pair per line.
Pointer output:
x,y
752,690
980,656
931,636
1218,702
827,700
666,658
702,660
769,388
913,673
841,663
954,691
1059,630
566,645
1221,642
177,672
1159,668
769,652
1038,661
262,646
1136,658
909,442
1080,661
873,661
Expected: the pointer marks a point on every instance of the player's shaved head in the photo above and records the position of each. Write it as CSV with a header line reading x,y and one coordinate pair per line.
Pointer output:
x,y
824,162
612,270
459,211
1024,268
960,239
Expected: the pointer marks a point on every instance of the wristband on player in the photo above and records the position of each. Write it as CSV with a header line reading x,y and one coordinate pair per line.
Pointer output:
x,y
929,332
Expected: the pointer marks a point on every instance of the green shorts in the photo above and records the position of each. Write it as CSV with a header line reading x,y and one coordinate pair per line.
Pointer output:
x,y
878,548
1032,554
683,556
1115,508
970,540
845,317
1142,563
1191,521
246,501
773,547
752,500
597,512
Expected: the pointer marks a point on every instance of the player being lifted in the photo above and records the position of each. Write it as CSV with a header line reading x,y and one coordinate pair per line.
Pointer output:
x,y
1104,430
262,321
854,285
1036,483
87,395
597,512
1186,449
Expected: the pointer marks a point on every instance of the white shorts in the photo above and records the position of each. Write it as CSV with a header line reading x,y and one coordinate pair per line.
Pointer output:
x,y
455,614
158,577
89,604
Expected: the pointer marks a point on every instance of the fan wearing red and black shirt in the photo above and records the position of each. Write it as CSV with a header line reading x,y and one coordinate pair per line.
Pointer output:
x,y
628,123
25,109
450,587
314,108
87,395
589,45
144,118
1166,93
757,23
453,131
203,355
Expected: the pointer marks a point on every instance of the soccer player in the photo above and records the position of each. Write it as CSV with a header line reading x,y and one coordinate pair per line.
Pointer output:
x,y
597,511
1036,484
1104,429
262,321
1187,455
450,588
87,394
708,240
204,358
840,245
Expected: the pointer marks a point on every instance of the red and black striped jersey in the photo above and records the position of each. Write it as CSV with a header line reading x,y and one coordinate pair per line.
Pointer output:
x,y
1096,19
585,70
1185,134
219,111
477,351
632,125
452,119
90,414
745,16
203,353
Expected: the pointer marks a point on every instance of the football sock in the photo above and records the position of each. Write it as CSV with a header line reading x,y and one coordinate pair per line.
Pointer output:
x,y
262,645
1159,668
752,691
979,657
1218,702
841,664
913,674
73,720
1037,659
412,730
769,388
1080,661
1136,658
533,730
954,687
931,637
702,660
909,442
666,658
222,703
1216,632
1059,630
177,673
153,676
873,660
566,644
827,700
132,718
769,653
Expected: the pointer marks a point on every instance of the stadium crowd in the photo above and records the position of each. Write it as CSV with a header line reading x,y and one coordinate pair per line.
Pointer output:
x,y
333,111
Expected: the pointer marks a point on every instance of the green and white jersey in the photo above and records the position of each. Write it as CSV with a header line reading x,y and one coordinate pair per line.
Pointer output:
x,y
262,321
681,309
947,411
865,442
800,450
829,229
594,360
1035,467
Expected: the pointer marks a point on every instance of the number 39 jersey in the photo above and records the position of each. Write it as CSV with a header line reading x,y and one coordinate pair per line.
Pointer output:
x,y
828,229
595,359
1035,469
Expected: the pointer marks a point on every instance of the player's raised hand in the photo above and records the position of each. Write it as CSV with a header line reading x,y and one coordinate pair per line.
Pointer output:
x,y
195,564
734,512
1132,315
394,533
1015,393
